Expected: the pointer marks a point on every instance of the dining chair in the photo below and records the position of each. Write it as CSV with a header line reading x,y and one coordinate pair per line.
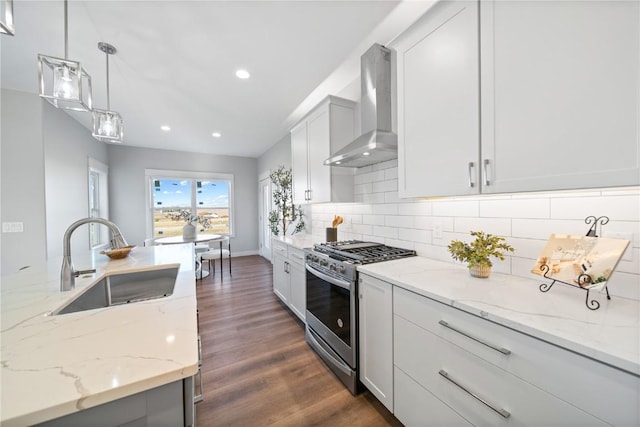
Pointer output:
x,y
217,251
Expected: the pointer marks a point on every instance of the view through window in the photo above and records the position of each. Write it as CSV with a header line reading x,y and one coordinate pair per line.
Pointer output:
x,y
176,201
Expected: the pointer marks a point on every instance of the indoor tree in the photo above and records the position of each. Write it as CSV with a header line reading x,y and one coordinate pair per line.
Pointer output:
x,y
286,213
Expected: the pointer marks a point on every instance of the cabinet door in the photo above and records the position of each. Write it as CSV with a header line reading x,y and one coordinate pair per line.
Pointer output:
x,y
376,339
298,295
560,94
299,167
438,103
281,285
318,150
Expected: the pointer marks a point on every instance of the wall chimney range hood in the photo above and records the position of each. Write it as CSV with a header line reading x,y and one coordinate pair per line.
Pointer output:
x,y
378,143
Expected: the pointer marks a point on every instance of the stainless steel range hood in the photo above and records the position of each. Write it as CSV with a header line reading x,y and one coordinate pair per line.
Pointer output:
x,y
377,143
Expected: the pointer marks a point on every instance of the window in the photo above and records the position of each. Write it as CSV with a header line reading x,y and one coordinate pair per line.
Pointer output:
x,y
174,196
98,174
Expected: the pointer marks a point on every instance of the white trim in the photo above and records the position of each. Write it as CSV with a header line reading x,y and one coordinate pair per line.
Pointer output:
x,y
102,170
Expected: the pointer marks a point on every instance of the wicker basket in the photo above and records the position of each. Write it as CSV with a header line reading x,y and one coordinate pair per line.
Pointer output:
x,y
482,271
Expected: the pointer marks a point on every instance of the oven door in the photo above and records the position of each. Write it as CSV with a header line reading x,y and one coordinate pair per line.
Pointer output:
x,y
331,312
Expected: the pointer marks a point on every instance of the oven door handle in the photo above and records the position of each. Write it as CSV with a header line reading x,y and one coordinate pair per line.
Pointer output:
x,y
342,283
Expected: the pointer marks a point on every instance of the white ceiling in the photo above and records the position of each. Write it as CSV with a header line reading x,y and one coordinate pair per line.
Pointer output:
x,y
176,62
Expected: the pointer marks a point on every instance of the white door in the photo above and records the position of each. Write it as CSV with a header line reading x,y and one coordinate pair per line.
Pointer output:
x,y
265,208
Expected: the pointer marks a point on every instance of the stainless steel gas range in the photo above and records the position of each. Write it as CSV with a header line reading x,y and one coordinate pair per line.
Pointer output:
x,y
332,303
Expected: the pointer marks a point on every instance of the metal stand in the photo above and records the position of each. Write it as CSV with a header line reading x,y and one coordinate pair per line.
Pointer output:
x,y
583,279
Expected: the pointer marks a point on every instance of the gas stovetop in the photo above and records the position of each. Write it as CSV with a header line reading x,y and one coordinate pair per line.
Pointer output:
x,y
359,252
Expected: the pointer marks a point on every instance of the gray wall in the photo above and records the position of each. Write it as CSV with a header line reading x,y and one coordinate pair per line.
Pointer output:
x,y
44,178
127,189
277,155
22,170
67,148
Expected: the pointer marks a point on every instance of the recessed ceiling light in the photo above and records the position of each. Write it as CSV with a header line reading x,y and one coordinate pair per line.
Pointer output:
x,y
216,134
366,153
165,128
242,74
337,163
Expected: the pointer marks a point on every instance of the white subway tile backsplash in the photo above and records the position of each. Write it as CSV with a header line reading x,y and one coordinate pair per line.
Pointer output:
x,y
391,173
386,232
373,219
386,185
414,208
525,219
509,208
617,208
456,208
414,235
362,228
498,226
386,165
542,229
398,221
391,197
386,209
363,188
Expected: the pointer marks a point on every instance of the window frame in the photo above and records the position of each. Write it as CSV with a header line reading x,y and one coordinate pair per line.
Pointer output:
x,y
153,174
99,169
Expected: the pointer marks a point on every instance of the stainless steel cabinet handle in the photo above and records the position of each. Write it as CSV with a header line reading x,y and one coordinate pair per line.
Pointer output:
x,y
471,184
485,165
286,267
309,194
481,341
502,412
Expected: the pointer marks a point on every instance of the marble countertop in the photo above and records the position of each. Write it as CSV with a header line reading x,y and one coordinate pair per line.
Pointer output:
x,y
610,334
57,365
299,241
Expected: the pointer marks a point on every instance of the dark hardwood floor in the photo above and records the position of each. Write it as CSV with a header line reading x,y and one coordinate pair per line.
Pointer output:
x,y
257,368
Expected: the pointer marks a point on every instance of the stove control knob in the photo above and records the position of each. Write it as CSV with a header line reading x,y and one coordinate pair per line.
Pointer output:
x,y
342,269
324,262
332,267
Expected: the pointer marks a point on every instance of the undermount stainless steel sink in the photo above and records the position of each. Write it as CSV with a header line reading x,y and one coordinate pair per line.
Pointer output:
x,y
124,288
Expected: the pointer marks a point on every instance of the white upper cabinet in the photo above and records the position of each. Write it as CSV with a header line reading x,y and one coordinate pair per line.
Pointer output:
x,y
560,94
548,97
326,129
438,103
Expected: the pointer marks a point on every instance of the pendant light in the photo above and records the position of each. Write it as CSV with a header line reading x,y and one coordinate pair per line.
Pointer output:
x,y
107,124
6,18
64,83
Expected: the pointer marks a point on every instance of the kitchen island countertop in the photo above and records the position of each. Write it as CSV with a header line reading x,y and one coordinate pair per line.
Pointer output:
x,y
610,334
57,365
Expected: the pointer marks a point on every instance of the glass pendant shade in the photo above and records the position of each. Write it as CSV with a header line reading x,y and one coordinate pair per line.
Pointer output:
x,y
64,83
107,126
6,17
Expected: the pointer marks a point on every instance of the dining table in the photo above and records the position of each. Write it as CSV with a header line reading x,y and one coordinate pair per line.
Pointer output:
x,y
199,238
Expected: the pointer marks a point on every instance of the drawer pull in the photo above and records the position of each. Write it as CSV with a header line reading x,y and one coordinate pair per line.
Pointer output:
x,y
481,341
503,413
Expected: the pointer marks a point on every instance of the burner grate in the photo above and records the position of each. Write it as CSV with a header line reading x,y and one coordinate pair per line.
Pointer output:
x,y
362,252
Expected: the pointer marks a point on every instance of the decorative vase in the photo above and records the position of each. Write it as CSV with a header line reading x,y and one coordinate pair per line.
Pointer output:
x,y
482,271
189,231
332,234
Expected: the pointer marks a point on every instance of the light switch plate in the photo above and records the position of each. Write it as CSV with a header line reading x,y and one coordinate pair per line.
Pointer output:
x,y
437,230
12,227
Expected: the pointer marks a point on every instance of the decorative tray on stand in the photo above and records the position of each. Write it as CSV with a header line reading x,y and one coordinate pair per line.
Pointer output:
x,y
584,262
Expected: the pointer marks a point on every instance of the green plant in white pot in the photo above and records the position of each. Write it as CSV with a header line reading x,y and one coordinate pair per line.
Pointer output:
x,y
477,254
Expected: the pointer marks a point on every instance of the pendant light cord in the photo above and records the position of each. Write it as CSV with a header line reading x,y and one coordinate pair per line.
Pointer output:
x,y
108,101
66,31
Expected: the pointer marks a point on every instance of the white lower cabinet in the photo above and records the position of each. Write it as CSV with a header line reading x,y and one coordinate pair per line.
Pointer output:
x,y
289,277
480,392
297,283
376,337
416,406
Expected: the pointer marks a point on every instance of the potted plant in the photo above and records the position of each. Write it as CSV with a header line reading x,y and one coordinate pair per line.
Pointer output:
x,y
286,213
477,253
189,230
